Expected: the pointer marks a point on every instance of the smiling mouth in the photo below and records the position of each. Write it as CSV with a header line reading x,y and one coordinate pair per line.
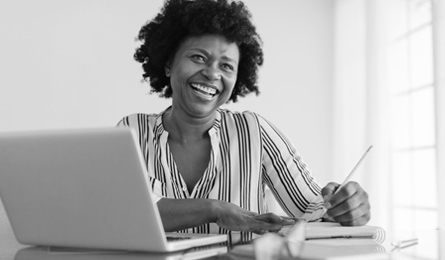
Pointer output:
x,y
204,89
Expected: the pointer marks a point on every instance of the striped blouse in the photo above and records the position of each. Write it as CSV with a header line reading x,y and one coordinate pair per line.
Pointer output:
x,y
247,153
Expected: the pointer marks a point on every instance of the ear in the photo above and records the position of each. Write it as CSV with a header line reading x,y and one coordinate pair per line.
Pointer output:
x,y
167,70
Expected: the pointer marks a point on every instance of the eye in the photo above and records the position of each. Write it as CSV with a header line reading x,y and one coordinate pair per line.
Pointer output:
x,y
198,57
228,67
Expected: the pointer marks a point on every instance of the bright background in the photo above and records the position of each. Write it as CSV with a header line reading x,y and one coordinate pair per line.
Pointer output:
x,y
70,64
339,75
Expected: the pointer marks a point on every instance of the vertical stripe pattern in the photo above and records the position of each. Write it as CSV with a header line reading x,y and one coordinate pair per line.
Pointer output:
x,y
247,154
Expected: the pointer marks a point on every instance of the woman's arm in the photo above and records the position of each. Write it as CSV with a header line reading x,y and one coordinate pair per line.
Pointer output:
x,y
287,176
292,182
178,214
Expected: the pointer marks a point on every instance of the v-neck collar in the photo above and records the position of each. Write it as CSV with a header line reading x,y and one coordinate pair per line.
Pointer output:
x,y
209,175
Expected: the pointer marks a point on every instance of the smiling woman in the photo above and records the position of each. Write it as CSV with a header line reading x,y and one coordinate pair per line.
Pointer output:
x,y
208,166
68,64
83,73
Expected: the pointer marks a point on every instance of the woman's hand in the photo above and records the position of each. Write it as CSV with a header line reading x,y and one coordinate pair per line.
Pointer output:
x,y
232,217
349,206
178,214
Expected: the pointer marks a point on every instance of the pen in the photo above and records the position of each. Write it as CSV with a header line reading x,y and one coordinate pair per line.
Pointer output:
x,y
353,170
404,244
399,243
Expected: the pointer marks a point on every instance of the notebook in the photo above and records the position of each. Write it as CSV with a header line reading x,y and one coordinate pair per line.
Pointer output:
x,y
331,230
294,244
315,251
84,188
325,230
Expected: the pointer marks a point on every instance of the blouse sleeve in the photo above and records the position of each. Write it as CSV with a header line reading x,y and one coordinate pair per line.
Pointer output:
x,y
288,177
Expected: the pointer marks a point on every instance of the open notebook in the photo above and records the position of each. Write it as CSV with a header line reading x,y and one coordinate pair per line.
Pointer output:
x,y
318,241
329,230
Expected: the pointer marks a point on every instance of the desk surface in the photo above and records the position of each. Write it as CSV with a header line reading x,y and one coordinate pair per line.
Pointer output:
x,y
8,245
428,247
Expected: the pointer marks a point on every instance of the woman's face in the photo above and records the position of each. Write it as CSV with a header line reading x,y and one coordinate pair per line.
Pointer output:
x,y
202,74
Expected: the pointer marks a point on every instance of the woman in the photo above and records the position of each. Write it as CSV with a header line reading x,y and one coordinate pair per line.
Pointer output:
x,y
209,166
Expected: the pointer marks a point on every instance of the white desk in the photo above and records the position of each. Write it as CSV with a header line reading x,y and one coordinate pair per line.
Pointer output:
x,y
9,249
429,245
8,245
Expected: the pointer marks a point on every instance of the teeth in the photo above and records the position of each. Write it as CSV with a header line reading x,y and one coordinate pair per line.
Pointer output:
x,y
208,90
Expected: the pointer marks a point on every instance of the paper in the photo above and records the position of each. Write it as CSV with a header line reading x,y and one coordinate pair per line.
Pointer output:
x,y
331,230
318,240
320,230
309,250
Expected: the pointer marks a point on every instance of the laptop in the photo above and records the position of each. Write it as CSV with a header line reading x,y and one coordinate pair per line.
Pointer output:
x,y
84,188
57,253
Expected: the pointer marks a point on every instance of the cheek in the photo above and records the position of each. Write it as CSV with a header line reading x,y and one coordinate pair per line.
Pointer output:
x,y
178,78
182,70
230,84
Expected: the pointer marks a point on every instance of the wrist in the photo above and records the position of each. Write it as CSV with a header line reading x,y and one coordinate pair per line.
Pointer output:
x,y
215,208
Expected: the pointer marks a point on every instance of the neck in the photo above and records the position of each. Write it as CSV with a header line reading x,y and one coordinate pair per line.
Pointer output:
x,y
186,128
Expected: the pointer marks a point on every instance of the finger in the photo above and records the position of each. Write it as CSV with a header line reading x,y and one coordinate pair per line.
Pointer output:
x,y
345,203
344,214
289,220
269,222
345,193
329,190
275,219
357,222
266,230
268,217
356,216
349,206
259,232
350,203
261,227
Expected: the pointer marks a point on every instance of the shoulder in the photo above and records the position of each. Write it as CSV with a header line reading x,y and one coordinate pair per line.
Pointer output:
x,y
246,117
238,116
246,121
139,119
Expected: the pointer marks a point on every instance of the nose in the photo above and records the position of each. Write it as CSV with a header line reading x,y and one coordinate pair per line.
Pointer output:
x,y
211,72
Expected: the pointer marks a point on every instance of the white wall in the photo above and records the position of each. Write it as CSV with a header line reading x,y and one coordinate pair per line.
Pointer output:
x,y
439,13
296,79
69,64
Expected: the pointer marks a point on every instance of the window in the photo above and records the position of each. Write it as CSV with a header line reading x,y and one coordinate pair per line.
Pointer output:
x,y
413,138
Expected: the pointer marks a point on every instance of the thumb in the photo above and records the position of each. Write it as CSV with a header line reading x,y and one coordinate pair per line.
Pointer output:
x,y
329,190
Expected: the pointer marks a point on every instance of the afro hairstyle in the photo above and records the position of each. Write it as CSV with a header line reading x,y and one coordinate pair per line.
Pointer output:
x,y
179,19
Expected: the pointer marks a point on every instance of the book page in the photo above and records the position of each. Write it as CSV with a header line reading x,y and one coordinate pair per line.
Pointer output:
x,y
331,230
323,230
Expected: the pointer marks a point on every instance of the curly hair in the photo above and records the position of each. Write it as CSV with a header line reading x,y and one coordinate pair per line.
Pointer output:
x,y
179,19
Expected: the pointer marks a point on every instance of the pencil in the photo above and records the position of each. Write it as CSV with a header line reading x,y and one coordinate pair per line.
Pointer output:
x,y
348,178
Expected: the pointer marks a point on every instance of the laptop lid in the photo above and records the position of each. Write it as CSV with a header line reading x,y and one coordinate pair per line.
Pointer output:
x,y
83,188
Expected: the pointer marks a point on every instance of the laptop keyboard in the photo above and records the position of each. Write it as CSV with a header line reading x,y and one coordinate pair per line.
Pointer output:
x,y
177,238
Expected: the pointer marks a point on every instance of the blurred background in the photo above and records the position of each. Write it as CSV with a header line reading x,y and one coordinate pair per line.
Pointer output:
x,y
339,75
